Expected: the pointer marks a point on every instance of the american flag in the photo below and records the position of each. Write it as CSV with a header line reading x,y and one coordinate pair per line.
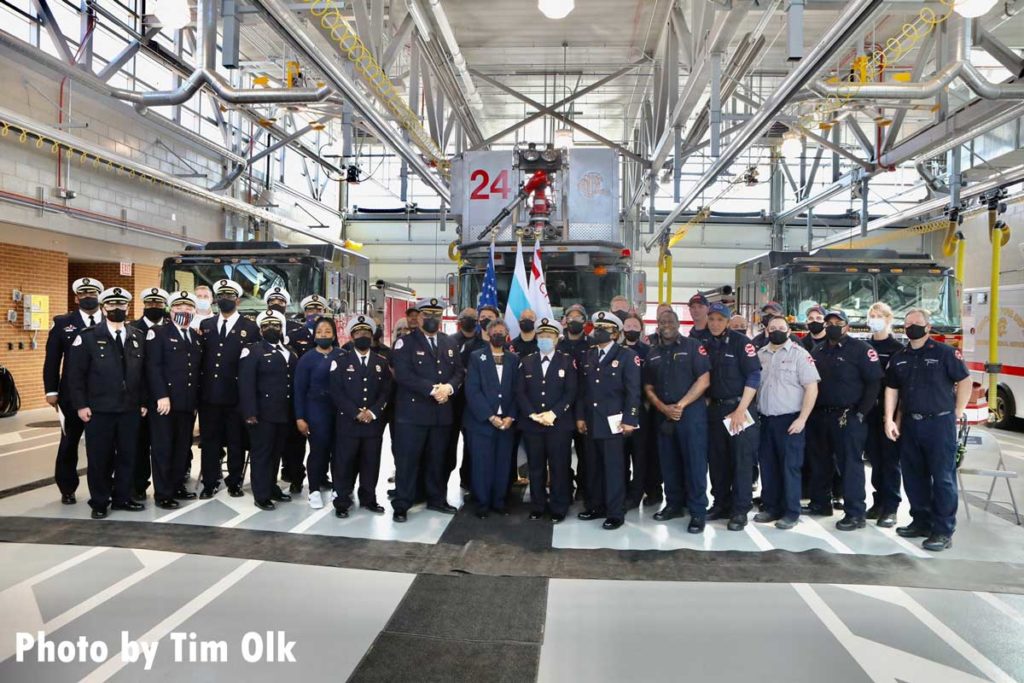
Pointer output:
x,y
489,291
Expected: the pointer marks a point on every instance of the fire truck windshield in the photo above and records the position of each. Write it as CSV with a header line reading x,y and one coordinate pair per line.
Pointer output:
x,y
855,292
300,279
565,287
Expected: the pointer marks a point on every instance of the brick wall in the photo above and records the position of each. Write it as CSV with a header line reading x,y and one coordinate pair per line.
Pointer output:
x,y
33,271
143,276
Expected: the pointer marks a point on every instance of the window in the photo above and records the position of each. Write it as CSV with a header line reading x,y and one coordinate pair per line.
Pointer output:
x,y
300,279
852,293
932,292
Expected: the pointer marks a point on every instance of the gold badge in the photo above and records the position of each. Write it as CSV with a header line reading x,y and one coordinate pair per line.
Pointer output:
x,y
242,333
615,363
450,354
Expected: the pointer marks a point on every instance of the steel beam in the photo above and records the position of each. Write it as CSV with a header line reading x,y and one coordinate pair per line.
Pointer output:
x,y
715,105
861,136
842,185
126,54
923,55
999,50
397,42
789,177
841,151
362,17
53,29
87,22
377,27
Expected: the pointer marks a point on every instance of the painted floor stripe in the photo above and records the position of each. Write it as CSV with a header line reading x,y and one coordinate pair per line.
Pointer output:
x,y
19,437
183,510
1002,606
52,444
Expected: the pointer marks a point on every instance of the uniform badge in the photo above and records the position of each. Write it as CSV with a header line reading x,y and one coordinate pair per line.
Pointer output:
x,y
483,356
242,333
151,335
751,351
71,328
636,359
399,343
561,373
701,350
334,365
245,352
135,343
421,353
872,355
450,353
350,369
377,368
615,363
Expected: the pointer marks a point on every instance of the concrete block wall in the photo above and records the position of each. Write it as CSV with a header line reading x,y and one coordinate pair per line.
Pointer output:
x,y
32,271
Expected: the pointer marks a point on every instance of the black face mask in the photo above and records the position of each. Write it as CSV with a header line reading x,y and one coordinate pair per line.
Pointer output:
x,y
431,325
280,308
153,315
601,335
88,303
117,315
778,337
271,335
325,343
633,336
497,339
467,325
574,327
362,343
815,327
526,325
484,322
226,305
834,333
916,331
621,315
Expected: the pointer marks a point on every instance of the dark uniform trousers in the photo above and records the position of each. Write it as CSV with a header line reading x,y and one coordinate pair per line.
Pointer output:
x,y
731,458
58,344
682,449
293,468
605,471
110,441
321,441
65,469
416,444
884,456
827,436
356,455
638,459
268,440
549,455
143,453
928,458
491,454
781,456
172,449
221,425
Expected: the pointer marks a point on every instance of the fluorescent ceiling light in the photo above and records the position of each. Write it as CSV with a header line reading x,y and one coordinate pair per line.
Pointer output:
x,y
558,9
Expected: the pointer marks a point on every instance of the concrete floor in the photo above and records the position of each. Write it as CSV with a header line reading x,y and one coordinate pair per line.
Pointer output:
x,y
384,625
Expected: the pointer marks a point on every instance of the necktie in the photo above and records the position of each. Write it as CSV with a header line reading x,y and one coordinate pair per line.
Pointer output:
x,y
120,347
433,345
362,359
188,338
545,360
600,356
223,328
92,320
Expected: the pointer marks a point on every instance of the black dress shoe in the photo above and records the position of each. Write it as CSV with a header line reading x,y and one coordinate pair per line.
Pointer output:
x,y
837,504
398,516
340,513
168,504
98,513
665,514
130,506
588,515
235,491
653,501
696,526
557,518
444,507
786,523
208,492
68,499
535,515
737,522
184,494
373,507
716,513
139,496
765,517
611,524
295,487
280,495
887,520
937,543
265,505
849,523
913,530
816,511
874,512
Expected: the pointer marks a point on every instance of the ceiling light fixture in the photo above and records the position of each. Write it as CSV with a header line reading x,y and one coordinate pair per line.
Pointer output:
x,y
564,138
559,9
173,15
792,146
973,8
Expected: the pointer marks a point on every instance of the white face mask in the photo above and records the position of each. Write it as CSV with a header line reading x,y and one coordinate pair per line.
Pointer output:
x,y
876,324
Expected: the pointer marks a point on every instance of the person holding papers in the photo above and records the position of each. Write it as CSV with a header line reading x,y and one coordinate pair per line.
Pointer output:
x,y
675,378
608,411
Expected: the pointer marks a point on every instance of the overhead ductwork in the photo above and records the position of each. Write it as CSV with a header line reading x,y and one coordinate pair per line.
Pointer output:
x,y
201,76
461,68
962,70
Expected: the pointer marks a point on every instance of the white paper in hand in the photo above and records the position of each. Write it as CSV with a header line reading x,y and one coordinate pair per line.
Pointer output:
x,y
615,423
748,421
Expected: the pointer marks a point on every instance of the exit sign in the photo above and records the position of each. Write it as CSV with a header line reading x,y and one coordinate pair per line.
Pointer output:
x,y
126,268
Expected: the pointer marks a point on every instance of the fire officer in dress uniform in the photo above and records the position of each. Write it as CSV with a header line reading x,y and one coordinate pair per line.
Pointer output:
x,y
883,454
640,456
850,380
265,372
220,422
154,313
610,393
932,386
575,344
735,377
58,349
428,371
546,393
360,386
491,410
173,358
675,379
108,390
467,339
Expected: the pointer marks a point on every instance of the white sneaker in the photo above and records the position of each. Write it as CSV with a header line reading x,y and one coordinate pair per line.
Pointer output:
x,y
316,501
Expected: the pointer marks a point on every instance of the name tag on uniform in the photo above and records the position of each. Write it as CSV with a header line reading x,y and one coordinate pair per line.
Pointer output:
x,y
421,353
350,369
101,342
561,372
174,340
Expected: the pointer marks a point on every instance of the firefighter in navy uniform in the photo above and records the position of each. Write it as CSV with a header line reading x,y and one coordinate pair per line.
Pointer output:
x,y
883,454
220,423
699,307
467,339
769,311
575,344
610,388
546,393
108,390
850,380
675,379
265,372
55,373
154,314
735,377
428,372
640,455
173,357
815,328
932,386
526,343
360,386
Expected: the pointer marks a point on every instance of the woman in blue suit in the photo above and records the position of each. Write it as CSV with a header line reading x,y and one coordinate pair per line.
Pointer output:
x,y
314,410
490,411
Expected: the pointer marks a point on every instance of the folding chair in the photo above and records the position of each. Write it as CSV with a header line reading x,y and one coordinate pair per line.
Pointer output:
x,y
1000,472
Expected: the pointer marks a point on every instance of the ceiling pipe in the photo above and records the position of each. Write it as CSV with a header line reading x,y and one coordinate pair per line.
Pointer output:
x,y
964,71
438,13
202,76
855,14
281,18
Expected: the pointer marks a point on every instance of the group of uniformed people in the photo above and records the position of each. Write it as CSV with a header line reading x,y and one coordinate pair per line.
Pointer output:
x,y
642,415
